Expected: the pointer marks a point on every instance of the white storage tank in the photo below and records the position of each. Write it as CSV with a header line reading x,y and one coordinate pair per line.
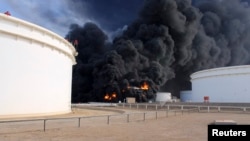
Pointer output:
x,y
163,97
226,84
36,70
186,96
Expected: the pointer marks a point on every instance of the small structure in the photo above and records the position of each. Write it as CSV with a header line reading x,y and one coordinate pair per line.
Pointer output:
x,y
130,100
206,99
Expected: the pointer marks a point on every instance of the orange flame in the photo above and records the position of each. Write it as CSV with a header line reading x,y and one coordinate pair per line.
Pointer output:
x,y
106,97
144,86
113,95
110,97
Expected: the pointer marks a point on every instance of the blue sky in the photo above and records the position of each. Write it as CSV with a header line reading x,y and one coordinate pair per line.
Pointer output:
x,y
58,15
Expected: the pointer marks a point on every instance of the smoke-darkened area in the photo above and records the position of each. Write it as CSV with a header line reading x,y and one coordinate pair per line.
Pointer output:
x,y
169,40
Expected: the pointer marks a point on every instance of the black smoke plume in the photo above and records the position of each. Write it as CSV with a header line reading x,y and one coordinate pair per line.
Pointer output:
x,y
169,40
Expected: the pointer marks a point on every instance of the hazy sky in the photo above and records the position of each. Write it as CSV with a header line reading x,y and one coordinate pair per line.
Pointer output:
x,y
57,15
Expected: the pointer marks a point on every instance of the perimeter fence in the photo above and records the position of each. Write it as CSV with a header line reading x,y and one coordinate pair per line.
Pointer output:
x,y
143,113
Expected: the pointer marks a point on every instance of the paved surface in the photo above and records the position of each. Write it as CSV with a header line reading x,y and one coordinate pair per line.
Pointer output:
x,y
186,127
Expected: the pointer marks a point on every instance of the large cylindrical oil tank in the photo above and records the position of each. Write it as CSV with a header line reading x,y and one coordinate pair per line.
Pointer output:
x,y
36,70
226,84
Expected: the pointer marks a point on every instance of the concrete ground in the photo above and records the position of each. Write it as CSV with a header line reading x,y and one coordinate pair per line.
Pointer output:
x,y
172,127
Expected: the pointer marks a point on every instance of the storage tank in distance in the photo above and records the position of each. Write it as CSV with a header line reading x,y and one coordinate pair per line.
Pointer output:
x,y
186,96
163,97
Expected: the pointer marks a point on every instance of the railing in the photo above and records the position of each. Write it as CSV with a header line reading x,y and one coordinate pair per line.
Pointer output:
x,y
147,112
201,108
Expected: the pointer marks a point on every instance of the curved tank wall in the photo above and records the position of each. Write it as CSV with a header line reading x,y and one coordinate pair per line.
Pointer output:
x,y
186,96
227,84
163,97
36,69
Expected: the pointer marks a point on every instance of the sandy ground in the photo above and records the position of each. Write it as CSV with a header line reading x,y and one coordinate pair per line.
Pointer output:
x,y
161,127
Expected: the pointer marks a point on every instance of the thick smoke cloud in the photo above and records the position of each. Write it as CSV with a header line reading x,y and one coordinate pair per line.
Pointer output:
x,y
168,41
